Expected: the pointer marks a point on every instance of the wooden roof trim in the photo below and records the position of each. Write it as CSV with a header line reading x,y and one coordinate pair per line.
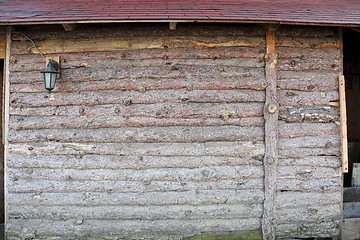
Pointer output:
x,y
179,20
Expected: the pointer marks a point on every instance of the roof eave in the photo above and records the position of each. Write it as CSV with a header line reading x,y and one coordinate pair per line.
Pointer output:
x,y
179,20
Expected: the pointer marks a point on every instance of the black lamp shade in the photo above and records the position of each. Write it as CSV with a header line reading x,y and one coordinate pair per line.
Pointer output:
x,y
50,74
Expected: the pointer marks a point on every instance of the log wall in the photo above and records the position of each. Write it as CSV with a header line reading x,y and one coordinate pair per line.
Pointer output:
x,y
309,185
158,133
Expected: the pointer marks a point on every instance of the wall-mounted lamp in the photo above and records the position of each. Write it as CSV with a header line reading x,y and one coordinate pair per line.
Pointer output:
x,y
50,74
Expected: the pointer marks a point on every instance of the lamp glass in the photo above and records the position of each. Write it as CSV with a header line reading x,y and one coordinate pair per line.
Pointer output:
x,y
50,74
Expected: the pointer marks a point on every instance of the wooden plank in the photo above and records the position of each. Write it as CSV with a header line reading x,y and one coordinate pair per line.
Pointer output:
x,y
135,30
271,137
6,116
125,43
355,180
351,210
343,121
351,229
2,45
352,194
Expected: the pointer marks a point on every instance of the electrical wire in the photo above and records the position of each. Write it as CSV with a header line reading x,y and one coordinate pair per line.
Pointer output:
x,y
33,43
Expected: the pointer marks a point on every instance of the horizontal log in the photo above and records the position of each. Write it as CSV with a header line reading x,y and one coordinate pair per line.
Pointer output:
x,y
322,141
125,228
293,199
301,152
238,149
150,29
86,198
161,110
299,98
200,83
101,97
312,185
145,54
125,43
318,161
125,63
123,162
126,74
308,172
317,114
299,64
314,213
308,54
52,186
151,213
301,42
23,122
324,229
146,175
313,85
291,130
144,134
324,75
305,31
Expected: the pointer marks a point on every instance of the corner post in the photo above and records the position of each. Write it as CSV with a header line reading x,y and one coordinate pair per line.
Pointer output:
x,y
271,112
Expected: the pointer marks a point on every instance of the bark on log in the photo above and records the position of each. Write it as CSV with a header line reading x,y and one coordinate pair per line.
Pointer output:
x,y
129,162
110,228
271,137
161,110
23,122
238,149
144,134
106,187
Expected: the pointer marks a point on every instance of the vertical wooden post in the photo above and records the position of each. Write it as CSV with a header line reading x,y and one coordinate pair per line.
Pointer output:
x,y
343,122
271,113
6,114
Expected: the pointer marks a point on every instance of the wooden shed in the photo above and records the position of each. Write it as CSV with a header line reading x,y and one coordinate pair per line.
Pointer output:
x,y
176,119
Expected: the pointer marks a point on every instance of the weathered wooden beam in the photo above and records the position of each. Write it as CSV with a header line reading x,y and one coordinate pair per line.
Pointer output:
x,y
69,27
343,121
172,26
271,113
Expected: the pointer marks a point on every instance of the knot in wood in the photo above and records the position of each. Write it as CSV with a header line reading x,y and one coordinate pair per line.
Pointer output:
x,y
272,108
142,89
269,160
127,102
